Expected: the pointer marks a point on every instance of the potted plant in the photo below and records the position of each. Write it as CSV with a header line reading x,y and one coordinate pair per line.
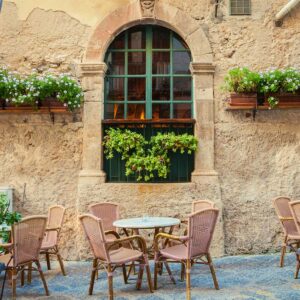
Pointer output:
x,y
281,88
7,218
243,86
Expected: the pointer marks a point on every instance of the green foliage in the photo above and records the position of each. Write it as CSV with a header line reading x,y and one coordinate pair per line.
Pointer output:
x,y
33,89
7,217
147,159
242,80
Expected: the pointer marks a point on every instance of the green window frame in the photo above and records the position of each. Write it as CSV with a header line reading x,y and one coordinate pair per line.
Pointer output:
x,y
179,107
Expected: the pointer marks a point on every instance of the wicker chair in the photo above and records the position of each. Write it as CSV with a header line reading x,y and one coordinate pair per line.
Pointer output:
x,y
194,246
202,204
27,236
295,209
107,258
283,211
56,215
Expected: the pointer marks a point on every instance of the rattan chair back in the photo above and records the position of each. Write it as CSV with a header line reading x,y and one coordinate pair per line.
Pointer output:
x,y
202,204
93,228
107,212
284,213
201,226
27,239
295,209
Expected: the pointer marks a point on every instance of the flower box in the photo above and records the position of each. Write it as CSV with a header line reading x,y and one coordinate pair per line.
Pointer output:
x,y
244,99
286,100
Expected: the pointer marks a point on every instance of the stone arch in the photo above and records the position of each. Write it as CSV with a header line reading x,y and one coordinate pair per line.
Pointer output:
x,y
165,15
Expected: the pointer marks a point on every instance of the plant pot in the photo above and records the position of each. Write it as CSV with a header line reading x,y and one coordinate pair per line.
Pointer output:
x,y
51,103
243,99
19,107
286,100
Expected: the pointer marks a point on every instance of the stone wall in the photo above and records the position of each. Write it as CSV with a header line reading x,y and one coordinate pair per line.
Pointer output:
x,y
256,160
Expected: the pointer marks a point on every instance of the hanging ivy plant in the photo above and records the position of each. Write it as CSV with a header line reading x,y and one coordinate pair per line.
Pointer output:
x,y
146,159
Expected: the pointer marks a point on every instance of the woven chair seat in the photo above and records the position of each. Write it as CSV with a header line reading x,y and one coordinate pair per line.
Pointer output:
x,y
4,259
124,255
47,244
294,236
177,252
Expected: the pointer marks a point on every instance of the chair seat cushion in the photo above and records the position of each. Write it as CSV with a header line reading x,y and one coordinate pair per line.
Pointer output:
x,y
124,255
177,252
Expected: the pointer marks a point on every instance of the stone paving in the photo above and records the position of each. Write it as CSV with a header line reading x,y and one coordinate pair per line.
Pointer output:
x,y
240,277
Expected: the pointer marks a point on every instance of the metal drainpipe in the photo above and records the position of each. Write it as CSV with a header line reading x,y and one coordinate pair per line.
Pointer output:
x,y
284,11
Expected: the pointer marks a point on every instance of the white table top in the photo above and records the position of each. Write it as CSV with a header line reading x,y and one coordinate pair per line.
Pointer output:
x,y
146,222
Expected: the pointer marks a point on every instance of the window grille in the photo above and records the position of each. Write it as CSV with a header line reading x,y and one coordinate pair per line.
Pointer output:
x,y
240,7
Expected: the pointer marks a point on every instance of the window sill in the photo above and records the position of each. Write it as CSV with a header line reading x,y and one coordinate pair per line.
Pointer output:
x,y
149,121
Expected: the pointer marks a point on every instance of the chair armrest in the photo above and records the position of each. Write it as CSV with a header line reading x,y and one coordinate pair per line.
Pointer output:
x,y
185,222
141,241
162,235
286,218
6,245
112,232
53,229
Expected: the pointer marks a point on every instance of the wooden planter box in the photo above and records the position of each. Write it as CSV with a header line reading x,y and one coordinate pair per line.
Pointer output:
x,y
246,99
287,100
47,105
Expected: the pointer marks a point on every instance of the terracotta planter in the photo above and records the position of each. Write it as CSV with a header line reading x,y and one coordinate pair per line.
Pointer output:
x,y
20,107
285,100
51,103
245,99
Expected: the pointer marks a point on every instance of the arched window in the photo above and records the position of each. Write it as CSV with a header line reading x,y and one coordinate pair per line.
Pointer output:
x,y
148,89
148,76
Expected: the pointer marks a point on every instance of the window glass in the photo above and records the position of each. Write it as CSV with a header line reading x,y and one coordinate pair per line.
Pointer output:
x,y
115,87
161,63
136,63
114,111
116,63
181,62
182,111
161,111
161,88
136,89
161,38
136,39
182,88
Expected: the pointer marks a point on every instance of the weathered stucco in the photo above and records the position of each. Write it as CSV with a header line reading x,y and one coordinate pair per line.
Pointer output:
x,y
255,160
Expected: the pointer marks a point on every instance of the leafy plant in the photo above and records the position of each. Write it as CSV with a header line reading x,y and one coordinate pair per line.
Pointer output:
x,y
147,159
242,80
270,82
7,217
34,89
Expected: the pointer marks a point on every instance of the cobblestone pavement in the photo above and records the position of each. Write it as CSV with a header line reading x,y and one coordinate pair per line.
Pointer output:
x,y
240,277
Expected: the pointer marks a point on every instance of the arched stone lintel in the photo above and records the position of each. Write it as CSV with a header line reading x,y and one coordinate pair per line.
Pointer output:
x,y
165,15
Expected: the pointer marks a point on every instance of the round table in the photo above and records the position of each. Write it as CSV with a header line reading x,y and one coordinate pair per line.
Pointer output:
x,y
157,223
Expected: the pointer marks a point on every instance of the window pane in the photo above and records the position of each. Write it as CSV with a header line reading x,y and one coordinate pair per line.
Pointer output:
x,y
136,88
136,111
114,111
115,89
116,63
161,38
182,111
119,42
161,88
136,63
161,62
137,39
161,111
178,43
181,62
182,88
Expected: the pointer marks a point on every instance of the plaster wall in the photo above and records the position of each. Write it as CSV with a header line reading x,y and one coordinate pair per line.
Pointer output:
x,y
256,160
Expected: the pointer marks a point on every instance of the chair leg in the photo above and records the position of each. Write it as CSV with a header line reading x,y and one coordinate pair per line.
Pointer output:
x,y
169,272
283,250
29,274
212,270
14,283
22,277
155,275
110,282
140,277
42,277
124,274
48,261
188,279
93,276
297,266
61,263
182,271
3,284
